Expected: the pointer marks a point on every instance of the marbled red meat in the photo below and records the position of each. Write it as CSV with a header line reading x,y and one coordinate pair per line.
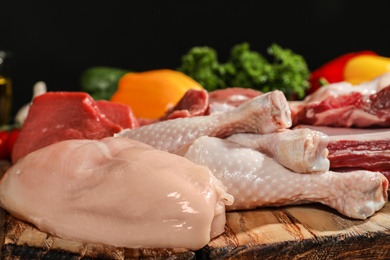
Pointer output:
x,y
117,113
380,103
345,105
355,148
193,103
369,151
57,116
201,102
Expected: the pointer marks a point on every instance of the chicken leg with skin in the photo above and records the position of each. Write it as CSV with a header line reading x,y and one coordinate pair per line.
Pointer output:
x,y
301,150
255,180
266,113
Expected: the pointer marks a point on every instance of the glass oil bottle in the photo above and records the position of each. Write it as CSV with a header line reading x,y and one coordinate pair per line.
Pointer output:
x,y
5,89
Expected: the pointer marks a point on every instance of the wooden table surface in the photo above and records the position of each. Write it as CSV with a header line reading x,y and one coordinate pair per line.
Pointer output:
x,y
311,231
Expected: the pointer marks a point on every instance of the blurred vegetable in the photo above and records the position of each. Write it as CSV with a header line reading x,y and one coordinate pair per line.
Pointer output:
x,y
39,88
7,140
201,64
333,71
287,72
101,82
365,68
151,93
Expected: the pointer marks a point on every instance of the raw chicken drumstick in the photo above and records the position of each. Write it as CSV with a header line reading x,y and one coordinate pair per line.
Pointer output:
x,y
255,180
266,113
301,150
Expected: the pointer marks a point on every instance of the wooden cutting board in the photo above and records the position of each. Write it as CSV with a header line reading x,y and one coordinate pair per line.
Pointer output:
x,y
310,231
302,232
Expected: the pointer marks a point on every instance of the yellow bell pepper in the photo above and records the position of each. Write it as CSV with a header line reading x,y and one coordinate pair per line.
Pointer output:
x,y
151,93
365,68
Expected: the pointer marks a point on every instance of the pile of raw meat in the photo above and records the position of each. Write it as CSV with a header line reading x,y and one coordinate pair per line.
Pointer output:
x,y
91,171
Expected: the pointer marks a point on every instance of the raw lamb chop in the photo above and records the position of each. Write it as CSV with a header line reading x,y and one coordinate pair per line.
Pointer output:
x,y
255,180
344,105
263,114
117,192
301,150
58,116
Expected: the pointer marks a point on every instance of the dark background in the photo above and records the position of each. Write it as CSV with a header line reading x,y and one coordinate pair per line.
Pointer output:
x,y
55,41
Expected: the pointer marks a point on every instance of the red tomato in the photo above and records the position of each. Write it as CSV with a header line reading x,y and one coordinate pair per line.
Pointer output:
x,y
3,145
7,141
12,136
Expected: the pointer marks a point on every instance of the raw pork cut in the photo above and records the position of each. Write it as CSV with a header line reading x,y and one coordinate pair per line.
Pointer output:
x,y
255,180
356,148
345,105
193,103
263,114
368,151
233,96
117,192
301,150
343,131
57,116
221,100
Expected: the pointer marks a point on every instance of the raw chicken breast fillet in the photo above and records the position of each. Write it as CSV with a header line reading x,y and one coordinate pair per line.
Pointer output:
x,y
255,180
117,192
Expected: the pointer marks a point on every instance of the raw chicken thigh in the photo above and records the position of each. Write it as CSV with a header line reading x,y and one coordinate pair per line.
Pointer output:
x,y
117,192
255,179
262,114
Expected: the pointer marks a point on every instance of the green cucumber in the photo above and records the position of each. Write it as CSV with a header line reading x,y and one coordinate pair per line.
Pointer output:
x,y
101,82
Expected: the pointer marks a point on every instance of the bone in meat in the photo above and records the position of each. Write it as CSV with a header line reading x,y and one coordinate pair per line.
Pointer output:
x,y
357,148
370,151
263,114
301,150
344,105
255,180
116,192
